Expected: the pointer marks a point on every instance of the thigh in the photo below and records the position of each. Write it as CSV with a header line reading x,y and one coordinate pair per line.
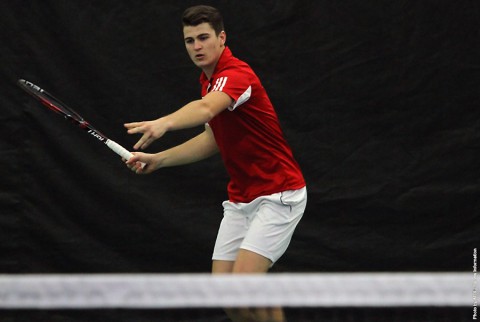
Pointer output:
x,y
275,220
251,262
231,233
222,267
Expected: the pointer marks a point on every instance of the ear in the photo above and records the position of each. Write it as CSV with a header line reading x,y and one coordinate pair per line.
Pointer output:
x,y
223,37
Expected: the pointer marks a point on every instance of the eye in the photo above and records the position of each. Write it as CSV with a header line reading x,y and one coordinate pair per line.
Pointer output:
x,y
203,37
189,41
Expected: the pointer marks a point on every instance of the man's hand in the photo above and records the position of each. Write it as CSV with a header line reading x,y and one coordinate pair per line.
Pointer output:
x,y
151,130
195,113
142,163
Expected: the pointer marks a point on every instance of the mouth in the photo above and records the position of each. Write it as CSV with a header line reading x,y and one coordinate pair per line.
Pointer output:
x,y
199,56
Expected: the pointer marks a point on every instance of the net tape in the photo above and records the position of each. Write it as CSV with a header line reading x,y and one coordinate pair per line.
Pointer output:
x,y
82,291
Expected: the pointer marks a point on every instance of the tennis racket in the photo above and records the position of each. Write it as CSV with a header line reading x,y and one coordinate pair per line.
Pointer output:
x,y
57,106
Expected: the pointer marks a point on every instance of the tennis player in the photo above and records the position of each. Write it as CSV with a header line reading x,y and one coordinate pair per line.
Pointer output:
x,y
267,193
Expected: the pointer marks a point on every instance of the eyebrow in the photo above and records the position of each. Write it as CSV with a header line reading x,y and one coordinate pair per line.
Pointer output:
x,y
200,35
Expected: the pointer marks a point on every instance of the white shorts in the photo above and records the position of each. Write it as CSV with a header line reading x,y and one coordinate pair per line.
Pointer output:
x,y
264,226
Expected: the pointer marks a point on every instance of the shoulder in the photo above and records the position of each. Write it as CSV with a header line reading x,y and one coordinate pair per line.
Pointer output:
x,y
238,72
231,64
236,66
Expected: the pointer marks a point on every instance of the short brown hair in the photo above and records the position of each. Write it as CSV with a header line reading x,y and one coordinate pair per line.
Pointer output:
x,y
196,15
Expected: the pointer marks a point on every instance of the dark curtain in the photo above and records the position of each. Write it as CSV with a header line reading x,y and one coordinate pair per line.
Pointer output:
x,y
379,101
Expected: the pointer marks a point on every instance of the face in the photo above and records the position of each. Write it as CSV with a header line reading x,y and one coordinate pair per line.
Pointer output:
x,y
203,46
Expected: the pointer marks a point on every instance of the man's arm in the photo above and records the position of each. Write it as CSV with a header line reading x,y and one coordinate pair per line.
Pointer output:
x,y
193,114
198,148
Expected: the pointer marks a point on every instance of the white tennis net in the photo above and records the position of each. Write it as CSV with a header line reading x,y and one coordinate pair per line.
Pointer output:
x,y
90,291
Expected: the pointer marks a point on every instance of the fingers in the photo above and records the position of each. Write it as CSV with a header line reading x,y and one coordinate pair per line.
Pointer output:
x,y
134,127
140,127
144,142
135,164
133,124
136,167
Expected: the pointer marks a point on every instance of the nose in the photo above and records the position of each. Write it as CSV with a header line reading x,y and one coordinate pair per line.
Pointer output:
x,y
197,45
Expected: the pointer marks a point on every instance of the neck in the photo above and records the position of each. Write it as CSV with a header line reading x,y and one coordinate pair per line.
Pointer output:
x,y
209,70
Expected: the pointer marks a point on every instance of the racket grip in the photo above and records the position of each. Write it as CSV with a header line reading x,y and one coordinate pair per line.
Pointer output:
x,y
120,150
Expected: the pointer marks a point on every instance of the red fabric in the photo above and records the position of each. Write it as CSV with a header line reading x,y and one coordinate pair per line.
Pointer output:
x,y
255,153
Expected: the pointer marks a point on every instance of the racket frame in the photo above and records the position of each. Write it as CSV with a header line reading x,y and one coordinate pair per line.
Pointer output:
x,y
57,106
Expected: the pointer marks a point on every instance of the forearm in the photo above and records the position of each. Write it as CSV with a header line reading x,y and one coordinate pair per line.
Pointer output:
x,y
197,112
200,147
193,114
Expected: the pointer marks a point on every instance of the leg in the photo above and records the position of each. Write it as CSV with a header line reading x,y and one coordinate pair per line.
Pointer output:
x,y
248,262
265,225
235,314
222,267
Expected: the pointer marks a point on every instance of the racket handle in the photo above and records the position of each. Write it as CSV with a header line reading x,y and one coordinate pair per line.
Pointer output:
x,y
120,150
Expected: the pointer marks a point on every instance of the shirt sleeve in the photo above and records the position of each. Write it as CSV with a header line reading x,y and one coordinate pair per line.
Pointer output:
x,y
236,84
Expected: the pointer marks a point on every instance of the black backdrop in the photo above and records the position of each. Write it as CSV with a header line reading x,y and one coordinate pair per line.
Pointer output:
x,y
378,99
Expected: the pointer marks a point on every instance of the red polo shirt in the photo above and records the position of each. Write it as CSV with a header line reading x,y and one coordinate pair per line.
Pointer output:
x,y
254,151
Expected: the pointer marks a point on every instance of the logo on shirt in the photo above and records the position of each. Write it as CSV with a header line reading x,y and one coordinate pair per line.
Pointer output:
x,y
220,84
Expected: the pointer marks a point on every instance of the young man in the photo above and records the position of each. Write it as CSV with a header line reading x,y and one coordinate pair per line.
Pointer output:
x,y
267,194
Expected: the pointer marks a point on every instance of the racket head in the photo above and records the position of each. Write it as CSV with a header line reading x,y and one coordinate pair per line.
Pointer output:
x,y
51,102
57,106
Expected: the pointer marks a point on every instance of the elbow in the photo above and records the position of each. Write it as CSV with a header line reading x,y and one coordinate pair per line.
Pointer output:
x,y
208,111
209,115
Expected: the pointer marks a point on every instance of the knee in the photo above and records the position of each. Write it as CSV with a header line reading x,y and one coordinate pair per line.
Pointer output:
x,y
268,315
256,314
240,315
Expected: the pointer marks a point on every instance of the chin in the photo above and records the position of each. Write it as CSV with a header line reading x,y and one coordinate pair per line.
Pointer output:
x,y
202,64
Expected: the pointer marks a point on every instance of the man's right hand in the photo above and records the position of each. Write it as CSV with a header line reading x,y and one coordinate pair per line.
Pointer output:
x,y
151,130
